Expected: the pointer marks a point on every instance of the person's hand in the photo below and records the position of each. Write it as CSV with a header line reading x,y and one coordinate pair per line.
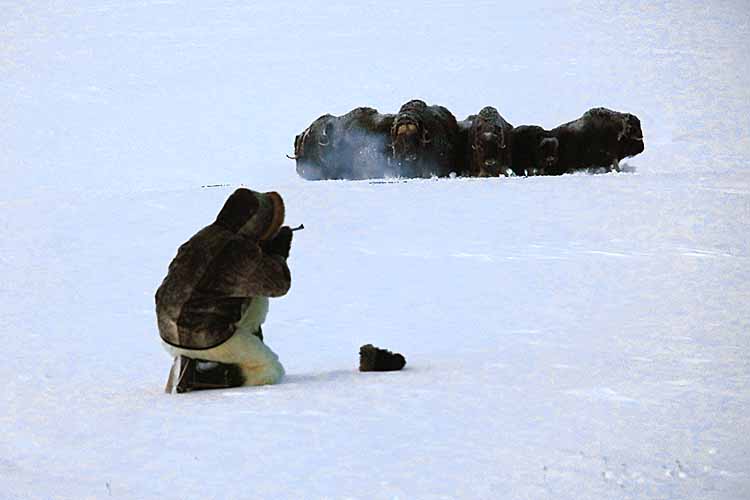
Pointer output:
x,y
279,244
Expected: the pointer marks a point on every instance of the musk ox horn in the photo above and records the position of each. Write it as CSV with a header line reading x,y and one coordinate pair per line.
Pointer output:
x,y
624,131
324,138
425,135
301,150
406,127
292,157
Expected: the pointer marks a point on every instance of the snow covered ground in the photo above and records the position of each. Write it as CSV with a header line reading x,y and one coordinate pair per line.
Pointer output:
x,y
580,337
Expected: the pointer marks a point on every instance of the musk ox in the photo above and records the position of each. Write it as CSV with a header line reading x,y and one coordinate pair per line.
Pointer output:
x,y
488,144
599,138
313,152
424,140
363,144
534,151
352,146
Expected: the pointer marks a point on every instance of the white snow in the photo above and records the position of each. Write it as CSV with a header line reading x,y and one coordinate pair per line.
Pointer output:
x,y
579,337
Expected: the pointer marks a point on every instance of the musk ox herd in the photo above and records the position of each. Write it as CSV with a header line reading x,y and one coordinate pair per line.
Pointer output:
x,y
424,141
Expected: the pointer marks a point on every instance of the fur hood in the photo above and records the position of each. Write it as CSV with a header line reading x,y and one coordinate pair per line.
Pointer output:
x,y
252,214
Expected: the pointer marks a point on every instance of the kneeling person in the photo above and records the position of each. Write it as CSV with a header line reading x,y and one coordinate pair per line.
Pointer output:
x,y
214,299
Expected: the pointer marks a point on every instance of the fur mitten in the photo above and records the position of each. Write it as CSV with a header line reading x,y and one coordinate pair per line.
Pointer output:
x,y
374,359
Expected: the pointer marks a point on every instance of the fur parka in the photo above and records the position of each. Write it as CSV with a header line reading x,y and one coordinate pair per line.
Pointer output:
x,y
220,271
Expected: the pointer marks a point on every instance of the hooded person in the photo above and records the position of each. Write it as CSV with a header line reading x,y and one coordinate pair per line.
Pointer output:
x,y
214,299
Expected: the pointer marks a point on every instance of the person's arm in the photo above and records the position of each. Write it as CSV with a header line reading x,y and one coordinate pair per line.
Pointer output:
x,y
245,268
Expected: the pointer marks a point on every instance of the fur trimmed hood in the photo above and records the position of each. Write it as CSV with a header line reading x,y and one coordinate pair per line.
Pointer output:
x,y
253,214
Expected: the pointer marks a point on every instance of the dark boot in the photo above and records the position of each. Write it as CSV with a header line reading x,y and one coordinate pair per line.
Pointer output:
x,y
189,374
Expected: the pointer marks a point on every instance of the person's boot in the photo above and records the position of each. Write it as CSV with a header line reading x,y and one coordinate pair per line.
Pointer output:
x,y
189,374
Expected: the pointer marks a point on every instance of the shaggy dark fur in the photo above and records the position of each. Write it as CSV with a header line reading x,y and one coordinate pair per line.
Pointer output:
x,y
352,146
425,140
462,146
599,138
534,151
363,145
489,146
312,150
374,359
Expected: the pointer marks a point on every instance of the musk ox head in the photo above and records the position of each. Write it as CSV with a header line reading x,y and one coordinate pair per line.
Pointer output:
x,y
313,149
407,140
547,154
490,143
630,137
490,150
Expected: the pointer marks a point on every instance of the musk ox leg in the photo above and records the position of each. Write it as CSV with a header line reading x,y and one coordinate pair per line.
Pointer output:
x,y
408,170
534,171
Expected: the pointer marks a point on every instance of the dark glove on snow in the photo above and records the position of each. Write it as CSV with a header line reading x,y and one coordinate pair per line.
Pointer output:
x,y
279,244
375,359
